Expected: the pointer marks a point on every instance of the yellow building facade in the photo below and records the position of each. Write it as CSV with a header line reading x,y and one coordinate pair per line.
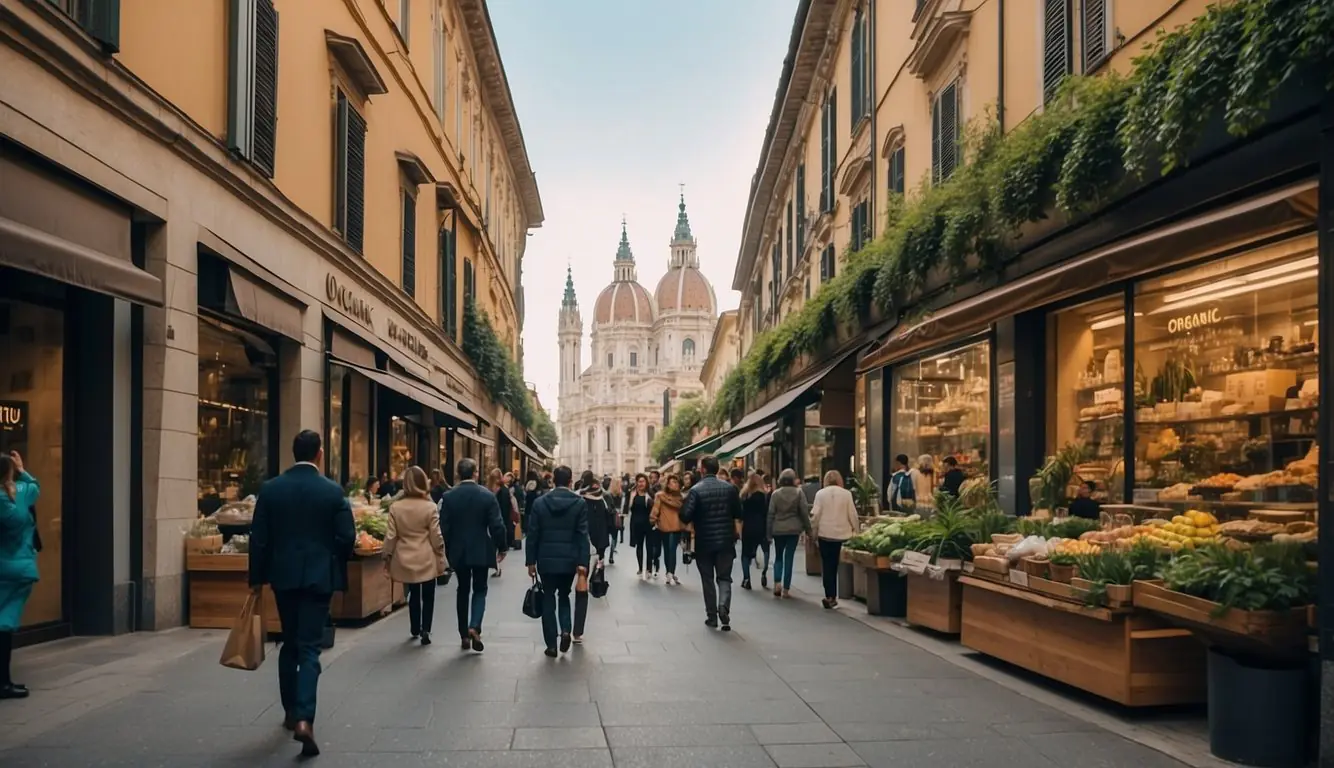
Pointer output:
x,y
724,353
271,215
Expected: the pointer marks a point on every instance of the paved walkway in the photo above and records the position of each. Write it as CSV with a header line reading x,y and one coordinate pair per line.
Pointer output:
x,y
792,686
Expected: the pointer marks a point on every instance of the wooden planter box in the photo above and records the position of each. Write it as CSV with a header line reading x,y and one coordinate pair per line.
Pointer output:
x,y
219,586
1279,630
1118,595
936,603
369,591
1131,657
204,545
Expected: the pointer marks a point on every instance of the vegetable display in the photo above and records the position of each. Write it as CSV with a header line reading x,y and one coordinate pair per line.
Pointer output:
x,y
1267,577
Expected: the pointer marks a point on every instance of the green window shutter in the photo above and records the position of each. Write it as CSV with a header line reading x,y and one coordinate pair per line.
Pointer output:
x,y
409,245
789,237
468,285
356,179
101,19
341,109
1057,46
824,156
448,250
1094,34
265,113
857,70
801,208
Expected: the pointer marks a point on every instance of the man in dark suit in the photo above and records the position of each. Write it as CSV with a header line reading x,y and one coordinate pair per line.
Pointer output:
x,y
475,542
713,506
300,542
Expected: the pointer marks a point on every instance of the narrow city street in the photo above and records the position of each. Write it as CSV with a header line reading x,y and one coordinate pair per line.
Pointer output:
x,y
792,686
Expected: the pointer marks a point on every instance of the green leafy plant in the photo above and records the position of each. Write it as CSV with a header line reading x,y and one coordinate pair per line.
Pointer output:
x,y
865,493
1264,578
1063,558
543,430
689,416
1072,527
947,533
1049,487
499,374
1032,526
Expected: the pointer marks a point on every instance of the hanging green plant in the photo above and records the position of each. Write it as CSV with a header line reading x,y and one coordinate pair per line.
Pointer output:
x,y
499,374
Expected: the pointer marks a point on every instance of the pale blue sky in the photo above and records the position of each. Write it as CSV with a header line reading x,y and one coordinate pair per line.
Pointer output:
x,y
621,100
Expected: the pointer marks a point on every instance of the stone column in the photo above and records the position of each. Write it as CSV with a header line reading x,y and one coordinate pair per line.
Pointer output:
x,y
301,398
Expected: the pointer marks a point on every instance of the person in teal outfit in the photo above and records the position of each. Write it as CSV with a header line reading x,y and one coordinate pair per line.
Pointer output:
x,y
18,560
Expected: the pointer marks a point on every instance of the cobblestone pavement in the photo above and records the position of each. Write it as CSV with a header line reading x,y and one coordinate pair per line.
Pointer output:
x,y
792,686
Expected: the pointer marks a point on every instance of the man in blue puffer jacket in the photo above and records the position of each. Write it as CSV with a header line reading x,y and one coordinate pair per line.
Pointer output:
x,y
558,551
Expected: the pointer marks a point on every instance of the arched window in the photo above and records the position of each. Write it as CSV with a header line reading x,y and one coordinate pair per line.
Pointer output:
x,y
649,434
688,349
609,360
609,448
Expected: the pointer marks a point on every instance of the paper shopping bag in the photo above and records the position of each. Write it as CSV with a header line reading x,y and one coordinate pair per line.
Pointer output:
x,y
245,643
581,583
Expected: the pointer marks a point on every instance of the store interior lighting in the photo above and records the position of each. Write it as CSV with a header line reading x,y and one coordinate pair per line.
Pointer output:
x,y
1249,279
1110,321
1247,287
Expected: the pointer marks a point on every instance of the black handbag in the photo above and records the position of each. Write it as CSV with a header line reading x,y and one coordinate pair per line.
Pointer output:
x,y
597,583
443,579
532,601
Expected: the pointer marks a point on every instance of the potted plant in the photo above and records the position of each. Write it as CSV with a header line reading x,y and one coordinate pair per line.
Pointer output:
x,y
1049,489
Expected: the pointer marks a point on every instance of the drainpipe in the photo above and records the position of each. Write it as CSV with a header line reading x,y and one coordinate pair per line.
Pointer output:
x,y
1000,67
874,108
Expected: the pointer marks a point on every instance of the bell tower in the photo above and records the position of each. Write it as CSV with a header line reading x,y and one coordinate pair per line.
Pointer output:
x,y
571,336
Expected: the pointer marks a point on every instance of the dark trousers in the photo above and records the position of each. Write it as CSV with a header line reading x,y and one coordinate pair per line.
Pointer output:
x,y
556,598
303,616
829,552
472,598
581,602
6,656
654,541
669,543
716,566
421,606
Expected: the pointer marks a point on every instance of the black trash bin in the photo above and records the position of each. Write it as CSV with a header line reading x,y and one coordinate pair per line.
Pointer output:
x,y
1257,710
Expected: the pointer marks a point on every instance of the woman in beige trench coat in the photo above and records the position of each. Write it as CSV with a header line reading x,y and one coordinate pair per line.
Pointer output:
x,y
414,550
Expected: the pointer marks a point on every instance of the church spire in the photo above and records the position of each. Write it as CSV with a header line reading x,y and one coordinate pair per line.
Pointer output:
x,y
625,259
682,233
623,252
570,301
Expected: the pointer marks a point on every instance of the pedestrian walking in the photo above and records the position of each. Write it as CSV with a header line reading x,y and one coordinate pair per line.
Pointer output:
x,y
414,551
601,524
666,519
900,491
300,541
532,488
754,529
18,560
834,520
713,507
615,499
639,507
438,486
495,482
789,517
475,543
558,553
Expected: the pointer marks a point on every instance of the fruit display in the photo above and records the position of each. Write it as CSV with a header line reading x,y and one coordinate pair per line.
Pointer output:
x,y
1250,530
367,544
374,524
885,536
1074,548
1223,480
1181,532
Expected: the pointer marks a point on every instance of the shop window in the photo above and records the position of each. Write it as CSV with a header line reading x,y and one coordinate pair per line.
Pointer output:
x,y
945,122
349,172
817,444
237,373
359,430
404,436
1226,391
1057,46
860,465
875,427
334,441
1086,368
941,407
409,220
252,93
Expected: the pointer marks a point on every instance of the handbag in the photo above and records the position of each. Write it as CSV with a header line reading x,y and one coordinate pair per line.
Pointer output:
x,y
443,579
245,643
687,549
597,583
532,601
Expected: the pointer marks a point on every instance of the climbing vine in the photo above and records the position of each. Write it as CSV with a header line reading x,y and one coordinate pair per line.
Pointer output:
x,y
1073,157
500,375
690,415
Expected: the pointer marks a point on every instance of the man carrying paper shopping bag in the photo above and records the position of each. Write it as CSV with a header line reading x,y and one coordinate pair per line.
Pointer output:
x,y
300,542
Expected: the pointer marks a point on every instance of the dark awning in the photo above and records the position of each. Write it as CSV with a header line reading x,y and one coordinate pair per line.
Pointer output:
x,y
413,367
32,250
415,392
1283,210
775,407
262,306
702,447
740,443
542,449
471,435
529,452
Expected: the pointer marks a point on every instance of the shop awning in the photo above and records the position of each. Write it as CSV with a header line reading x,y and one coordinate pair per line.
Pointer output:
x,y
475,437
700,448
763,440
433,400
32,250
529,452
669,467
415,368
733,445
257,303
542,449
1219,229
775,407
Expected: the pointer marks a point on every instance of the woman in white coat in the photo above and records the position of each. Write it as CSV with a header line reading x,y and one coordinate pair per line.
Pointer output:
x,y
833,521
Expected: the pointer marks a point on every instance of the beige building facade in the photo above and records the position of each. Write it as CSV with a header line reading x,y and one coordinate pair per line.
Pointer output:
x,y
267,216
724,353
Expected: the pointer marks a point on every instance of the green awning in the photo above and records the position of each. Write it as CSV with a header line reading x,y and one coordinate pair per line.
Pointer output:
x,y
741,444
701,448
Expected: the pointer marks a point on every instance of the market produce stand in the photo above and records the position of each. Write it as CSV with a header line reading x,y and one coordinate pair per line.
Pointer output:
x,y
369,591
1127,656
936,604
219,585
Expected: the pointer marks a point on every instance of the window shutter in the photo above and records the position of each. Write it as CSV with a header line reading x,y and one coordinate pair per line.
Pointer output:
x,y
896,171
409,245
801,207
404,20
789,237
1094,33
438,45
101,20
1056,48
833,147
945,132
467,282
449,316
833,265
341,109
265,114
356,179
824,156
857,70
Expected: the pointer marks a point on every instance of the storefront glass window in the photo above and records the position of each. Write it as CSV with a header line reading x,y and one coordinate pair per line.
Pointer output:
x,y
1086,369
942,407
402,446
359,431
859,463
338,376
818,445
875,423
1226,381
235,381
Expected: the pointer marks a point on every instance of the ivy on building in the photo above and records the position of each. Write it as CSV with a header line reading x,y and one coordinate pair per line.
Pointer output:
x,y
543,430
691,414
1098,137
499,373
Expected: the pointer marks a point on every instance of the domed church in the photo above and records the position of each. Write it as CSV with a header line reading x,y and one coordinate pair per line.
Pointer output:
x,y
644,345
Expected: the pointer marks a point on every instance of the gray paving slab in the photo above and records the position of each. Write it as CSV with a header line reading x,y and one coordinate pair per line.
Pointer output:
x,y
793,686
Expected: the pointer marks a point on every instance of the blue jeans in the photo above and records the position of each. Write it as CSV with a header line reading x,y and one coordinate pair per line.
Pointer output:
x,y
472,598
556,605
785,553
669,543
303,616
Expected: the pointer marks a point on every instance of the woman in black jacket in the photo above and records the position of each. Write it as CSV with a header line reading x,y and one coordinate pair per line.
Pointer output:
x,y
495,482
601,522
754,529
638,505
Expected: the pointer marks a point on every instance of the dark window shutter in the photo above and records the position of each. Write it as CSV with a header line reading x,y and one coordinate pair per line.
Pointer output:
x,y
833,147
1094,33
801,207
265,114
356,179
896,171
857,70
824,155
945,132
468,285
1056,46
341,110
449,316
409,245
101,20
833,262
789,237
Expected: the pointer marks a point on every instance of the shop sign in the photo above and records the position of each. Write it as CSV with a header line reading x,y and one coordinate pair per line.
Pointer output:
x,y
1104,396
1194,320
408,340
13,424
345,299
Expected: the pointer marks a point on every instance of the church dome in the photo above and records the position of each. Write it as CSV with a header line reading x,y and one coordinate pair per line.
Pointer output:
x,y
623,301
684,289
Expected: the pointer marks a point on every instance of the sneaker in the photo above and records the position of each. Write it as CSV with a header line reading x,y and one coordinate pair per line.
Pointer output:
x,y
565,643
827,603
745,584
426,638
711,623
726,618
764,579
577,639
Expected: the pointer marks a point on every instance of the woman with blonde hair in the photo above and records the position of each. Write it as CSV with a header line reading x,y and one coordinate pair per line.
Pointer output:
x,y
414,550
834,521
754,528
18,559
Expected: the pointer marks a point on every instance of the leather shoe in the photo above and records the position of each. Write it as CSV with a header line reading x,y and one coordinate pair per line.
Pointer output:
x,y
475,640
305,734
12,691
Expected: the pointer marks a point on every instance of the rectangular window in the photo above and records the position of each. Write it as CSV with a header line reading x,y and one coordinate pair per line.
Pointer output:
x,y
1094,34
486,210
1057,46
609,447
1086,376
801,208
449,301
349,172
409,217
860,74
634,359
808,289
828,151
945,133
775,286
469,283
896,171
789,237
404,20
941,406
99,18
252,83
827,265
861,225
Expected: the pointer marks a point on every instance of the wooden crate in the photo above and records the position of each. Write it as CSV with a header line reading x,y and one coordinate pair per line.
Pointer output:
x,y
1118,595
218,588
1131,657
1278,629
936,603
369,591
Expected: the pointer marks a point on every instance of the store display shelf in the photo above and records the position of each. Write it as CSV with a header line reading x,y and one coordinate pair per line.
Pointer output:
x,y
1283,506
1108,417
1232,417
1283,362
